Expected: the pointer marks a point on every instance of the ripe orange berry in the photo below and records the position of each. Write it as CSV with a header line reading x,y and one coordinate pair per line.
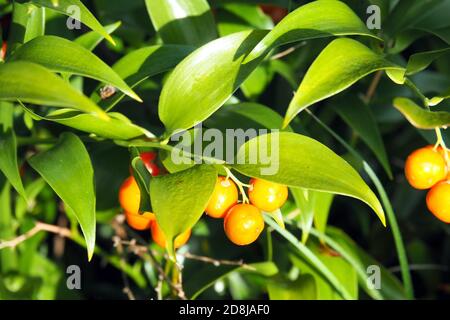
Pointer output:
x,y
225,195
267,196
130,195
140,221
438,201
275,12
424,168
160,239
3,50
243,224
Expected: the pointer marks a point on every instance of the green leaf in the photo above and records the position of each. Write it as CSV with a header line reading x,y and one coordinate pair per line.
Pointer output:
x,y
8,159
323,202
8,256
342,63
305,203
421,118
303,288
205,80
299,161
118,127
28,22
313,260
182,22
317,19
207,277
90,40
438,99
61,55
257,82
358,115
32,190
33,83
179,199
67,168
420,61
245,115
66,7
143,63
391,288
8,148
250,14
341,269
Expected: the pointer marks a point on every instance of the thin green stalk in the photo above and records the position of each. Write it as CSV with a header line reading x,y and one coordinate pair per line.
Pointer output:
x,y
312,258
347,257
398,240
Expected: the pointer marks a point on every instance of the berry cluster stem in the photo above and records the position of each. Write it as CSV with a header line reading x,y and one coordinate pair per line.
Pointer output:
x,y
239,184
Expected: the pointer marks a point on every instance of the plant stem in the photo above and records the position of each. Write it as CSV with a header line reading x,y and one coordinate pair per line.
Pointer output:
x,y
311,257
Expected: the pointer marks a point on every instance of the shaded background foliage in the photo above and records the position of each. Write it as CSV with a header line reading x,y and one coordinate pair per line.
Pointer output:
x,y
427,240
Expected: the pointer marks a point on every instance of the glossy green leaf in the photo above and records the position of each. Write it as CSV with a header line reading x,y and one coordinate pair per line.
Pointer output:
x,y
179,199
207,277
90,40
358,115
205,80
143,63
299,161
438,99
420,61
303,288
33,83
68,170
245,115
182,22
257,82
28,22
406,13
8,159
250,14
421,118
342,63
317,19
305,203
61,55
67,7
8,148
323,202
117,127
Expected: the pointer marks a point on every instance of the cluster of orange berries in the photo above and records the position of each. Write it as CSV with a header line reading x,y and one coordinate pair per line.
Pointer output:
x,y
427,168
130,199
243,222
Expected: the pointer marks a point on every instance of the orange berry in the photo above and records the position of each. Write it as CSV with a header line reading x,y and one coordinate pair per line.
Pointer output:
x,y
243,224
130,195
160,239
438,201
275,12
3,50
140,221
148,158
424,168
267,196
225,195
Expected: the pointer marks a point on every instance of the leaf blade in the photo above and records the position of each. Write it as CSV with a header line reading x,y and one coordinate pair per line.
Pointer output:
x,y
62,173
